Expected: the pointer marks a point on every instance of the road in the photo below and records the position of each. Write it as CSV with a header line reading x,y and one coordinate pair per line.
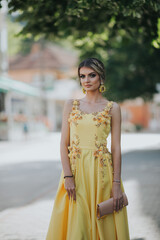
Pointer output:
x,y
28,184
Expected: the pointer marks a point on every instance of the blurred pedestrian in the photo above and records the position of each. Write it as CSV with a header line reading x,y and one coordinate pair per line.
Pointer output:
x,y
25,130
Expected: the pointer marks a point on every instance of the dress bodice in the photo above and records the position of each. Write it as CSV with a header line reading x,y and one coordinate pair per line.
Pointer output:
x,y
88,136
88,130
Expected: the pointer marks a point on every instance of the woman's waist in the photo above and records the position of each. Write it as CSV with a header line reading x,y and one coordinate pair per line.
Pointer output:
x,y
91,147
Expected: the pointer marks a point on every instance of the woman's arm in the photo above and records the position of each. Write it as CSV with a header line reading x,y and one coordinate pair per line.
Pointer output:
x,y
116,140
64,143
116,156
65,138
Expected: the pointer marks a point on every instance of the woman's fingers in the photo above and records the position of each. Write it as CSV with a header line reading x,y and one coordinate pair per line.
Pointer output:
x,y
121,202
68,193
115,204
72,193
70,188
118,204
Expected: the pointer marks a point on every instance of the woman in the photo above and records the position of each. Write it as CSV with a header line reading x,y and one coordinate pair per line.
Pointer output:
x,y
91,174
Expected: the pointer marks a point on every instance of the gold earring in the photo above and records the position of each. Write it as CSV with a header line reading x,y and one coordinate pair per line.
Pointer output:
x,y
84,91
102,88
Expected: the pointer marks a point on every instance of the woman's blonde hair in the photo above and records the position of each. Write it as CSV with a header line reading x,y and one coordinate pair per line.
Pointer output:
x,y
95,64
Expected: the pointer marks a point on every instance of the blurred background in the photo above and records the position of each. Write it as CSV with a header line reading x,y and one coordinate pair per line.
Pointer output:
x,y
41,45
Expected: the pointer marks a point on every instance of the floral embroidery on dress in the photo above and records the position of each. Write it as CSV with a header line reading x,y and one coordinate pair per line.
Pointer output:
x,y
74,152
102,154
75,113
100,115
103,116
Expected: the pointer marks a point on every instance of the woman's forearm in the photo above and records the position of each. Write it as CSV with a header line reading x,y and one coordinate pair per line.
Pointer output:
x,y
65,160
116,155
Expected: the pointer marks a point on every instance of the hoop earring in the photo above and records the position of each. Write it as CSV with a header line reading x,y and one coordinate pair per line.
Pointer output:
x,y
84,91
102,88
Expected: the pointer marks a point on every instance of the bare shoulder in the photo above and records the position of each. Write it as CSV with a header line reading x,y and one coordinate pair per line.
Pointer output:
x,y
116,109
68,105
68,102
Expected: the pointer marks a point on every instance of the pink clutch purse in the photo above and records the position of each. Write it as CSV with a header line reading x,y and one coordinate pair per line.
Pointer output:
x,y
106,207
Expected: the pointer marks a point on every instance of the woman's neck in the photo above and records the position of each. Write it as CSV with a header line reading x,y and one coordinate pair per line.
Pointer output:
x,y
93,98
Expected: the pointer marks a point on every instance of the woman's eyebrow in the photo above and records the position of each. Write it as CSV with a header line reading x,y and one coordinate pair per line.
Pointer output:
x,y
88,73
91,72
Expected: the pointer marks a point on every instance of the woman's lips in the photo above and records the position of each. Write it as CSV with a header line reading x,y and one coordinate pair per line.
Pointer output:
x,y
87,85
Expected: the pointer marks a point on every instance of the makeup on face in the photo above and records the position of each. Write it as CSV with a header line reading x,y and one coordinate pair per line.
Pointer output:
x,y
88,77
87,74
91,75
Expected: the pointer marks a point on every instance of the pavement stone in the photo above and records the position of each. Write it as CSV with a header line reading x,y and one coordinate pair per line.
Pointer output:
x,y
34,161
31,222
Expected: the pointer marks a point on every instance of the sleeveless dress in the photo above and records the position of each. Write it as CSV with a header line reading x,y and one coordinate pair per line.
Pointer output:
x,y
92,167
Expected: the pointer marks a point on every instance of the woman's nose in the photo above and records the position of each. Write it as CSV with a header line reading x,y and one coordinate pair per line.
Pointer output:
x,y
86,79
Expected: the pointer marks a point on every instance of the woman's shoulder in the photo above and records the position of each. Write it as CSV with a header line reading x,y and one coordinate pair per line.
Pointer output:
x,y
68,104
115,107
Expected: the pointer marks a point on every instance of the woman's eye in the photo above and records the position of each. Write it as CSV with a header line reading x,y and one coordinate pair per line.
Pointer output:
x,y
93,75
81,76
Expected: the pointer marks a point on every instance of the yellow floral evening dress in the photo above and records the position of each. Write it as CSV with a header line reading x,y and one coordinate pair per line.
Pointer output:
x,y
92,167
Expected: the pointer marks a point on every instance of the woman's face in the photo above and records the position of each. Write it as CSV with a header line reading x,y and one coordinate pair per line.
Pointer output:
x,y
90,79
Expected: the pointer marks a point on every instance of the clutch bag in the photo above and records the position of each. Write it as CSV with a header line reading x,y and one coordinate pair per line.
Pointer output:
x,y
106,207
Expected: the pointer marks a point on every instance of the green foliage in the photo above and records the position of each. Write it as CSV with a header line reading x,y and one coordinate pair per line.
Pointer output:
x,y
125,35
132,66
72,17
13,42
133,70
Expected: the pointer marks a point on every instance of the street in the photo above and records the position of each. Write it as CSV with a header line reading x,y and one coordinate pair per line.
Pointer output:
x,y
29,177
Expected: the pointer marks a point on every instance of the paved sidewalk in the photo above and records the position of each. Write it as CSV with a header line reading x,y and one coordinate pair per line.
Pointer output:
x,y
30,222
47,147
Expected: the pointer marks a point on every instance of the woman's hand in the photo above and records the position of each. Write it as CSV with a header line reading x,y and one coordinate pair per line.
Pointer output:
x,y
70,187
117,196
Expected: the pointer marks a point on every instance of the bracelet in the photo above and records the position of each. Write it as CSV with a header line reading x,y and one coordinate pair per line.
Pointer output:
x,y
117,181
68,176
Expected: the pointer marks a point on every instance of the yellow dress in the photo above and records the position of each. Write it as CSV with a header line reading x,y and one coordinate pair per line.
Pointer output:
x,y
92,167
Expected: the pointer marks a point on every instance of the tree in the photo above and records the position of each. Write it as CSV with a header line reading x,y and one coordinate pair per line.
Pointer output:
x,y
123,34
78,17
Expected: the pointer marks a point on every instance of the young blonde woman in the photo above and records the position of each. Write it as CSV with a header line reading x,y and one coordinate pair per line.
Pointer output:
x,y
91,174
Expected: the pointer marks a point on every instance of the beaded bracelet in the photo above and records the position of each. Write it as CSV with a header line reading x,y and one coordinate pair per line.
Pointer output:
x,y
68,176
